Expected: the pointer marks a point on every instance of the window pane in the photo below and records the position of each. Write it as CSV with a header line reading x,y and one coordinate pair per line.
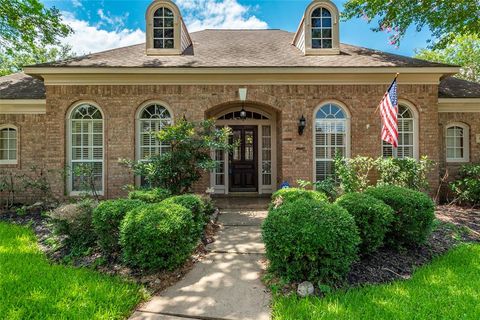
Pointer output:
x,y
326,33
316,23
326,23
316,43
317,12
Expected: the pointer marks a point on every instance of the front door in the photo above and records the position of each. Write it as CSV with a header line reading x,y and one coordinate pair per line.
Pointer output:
x,y
243,162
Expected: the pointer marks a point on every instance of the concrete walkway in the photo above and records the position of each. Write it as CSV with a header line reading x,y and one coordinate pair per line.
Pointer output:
x,y
224,285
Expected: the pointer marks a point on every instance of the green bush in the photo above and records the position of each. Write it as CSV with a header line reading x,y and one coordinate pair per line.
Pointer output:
x,y
467,187
193,203
150,195
372,217
414,213
106,222
310,240
407,172
157,236
74,221
291,194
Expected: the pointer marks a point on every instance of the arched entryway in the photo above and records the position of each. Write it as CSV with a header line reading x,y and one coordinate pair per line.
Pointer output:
x,y
252,166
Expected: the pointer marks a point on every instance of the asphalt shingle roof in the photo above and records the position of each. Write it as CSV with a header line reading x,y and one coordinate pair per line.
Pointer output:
x,y
457,88
21,86
243,48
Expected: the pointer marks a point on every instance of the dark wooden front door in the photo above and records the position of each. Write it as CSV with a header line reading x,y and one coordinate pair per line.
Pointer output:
x,y
243,162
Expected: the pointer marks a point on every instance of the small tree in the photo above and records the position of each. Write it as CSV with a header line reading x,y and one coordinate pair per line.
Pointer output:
x,y
189,155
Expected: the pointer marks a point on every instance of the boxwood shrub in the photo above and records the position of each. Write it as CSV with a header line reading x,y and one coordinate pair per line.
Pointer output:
x,y
291,194
150,195
195,204
74,221
157,236
414,213
372,217
310,240
106,221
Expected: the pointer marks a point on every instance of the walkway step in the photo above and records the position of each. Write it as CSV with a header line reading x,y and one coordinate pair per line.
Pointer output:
x,y
223,286
242,203
155,316
242,218
238,239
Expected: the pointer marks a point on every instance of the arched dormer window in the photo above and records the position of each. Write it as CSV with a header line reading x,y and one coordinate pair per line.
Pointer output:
x,y
321,28
166,31
163,31
318,33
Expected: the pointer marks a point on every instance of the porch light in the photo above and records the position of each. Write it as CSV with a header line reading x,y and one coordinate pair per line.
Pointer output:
x,y
242,93
302,123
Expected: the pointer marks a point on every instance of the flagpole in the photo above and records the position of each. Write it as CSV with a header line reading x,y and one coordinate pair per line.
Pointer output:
x,y
386,92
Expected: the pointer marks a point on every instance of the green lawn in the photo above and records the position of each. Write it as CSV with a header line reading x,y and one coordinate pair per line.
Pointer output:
x,y
32,288
449,288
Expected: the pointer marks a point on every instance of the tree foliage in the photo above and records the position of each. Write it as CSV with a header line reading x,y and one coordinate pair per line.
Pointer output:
x,y
189,156
464,50
15,61
30,33
28,24
445,18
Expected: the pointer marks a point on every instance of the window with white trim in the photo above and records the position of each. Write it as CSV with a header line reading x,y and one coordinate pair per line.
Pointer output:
x,y
331,132
8,145
163,29
457,142
321,29
86,148
406,136
153,118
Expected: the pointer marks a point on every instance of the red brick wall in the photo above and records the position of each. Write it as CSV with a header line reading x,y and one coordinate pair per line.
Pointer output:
x,y
294,152
472,119
31,149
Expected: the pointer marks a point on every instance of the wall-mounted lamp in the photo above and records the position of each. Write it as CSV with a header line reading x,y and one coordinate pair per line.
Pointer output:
x,y
242,93
302,123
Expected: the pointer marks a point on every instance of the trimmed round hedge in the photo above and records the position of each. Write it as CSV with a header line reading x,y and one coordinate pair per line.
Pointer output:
x,y
372,217
414,213
106,220
157,236
292,194
150,195
195,204
310,240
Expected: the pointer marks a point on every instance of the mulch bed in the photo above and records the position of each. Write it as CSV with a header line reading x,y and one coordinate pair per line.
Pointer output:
x,y
456,225
154,282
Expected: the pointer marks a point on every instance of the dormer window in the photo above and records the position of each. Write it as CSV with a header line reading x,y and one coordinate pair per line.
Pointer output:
x,y
321,28
318,33
166,31
163,31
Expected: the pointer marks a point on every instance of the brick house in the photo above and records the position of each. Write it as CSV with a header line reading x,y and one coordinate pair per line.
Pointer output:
x,y
100,108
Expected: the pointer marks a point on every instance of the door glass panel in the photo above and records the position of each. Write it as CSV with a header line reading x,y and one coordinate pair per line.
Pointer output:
x,y
249,145
237,140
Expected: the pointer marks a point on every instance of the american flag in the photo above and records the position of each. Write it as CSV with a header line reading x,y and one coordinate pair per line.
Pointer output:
x,y
388,112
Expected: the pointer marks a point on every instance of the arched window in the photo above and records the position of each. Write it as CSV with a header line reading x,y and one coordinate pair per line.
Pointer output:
x,y
321,29
152,118
163,29
331,138
8,144
86,149
457,142
407,135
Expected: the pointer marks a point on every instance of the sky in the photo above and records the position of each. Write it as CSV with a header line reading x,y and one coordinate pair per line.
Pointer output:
x,y
106,24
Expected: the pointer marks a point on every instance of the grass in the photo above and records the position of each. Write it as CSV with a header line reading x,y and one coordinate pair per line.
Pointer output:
x,y
449,288
32,288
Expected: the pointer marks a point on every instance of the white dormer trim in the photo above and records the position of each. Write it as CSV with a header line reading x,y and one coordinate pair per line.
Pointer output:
x,y
181,38
303,36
